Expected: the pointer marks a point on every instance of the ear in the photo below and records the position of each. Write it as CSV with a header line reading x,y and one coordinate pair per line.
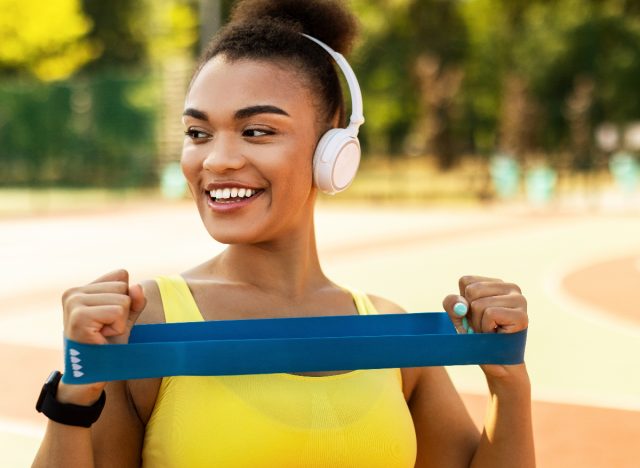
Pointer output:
x,y
340,118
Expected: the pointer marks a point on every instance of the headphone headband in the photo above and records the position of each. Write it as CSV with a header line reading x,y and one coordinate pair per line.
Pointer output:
x,y
357,118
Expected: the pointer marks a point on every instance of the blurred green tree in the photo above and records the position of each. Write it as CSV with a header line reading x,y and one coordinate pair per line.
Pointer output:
x,y
542,74
115,27
411,67
47,38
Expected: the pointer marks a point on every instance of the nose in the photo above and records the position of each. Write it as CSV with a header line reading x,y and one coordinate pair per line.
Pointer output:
x,y
224,155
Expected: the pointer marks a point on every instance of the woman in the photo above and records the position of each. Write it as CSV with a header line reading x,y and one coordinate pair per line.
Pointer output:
x,y
255,110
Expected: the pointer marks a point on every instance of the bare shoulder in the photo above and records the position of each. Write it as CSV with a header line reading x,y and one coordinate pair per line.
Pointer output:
x,y
153,311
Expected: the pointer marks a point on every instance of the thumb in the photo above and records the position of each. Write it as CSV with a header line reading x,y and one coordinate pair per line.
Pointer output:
x,y
138,303
457,307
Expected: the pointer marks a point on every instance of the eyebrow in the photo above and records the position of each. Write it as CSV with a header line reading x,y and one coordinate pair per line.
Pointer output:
x,y
195,113
254,110
240,114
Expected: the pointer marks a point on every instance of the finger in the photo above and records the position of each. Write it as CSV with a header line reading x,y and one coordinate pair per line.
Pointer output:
x,y
98,299
116,275
467,280
92,324
478,307
487,289
93,294
118,287
503,320
457,307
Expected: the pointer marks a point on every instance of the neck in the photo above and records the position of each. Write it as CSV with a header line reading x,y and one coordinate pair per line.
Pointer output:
x,y
288,266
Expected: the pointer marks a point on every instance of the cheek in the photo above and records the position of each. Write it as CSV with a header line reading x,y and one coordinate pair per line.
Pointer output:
x,y
191,163
299,174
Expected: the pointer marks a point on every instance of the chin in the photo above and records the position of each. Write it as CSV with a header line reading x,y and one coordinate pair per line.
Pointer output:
x,y
233,235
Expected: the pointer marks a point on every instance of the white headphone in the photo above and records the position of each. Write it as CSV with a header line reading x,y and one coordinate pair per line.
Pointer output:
x,y
337,155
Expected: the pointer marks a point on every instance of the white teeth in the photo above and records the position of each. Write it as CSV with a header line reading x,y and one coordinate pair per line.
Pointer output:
x,y
231,192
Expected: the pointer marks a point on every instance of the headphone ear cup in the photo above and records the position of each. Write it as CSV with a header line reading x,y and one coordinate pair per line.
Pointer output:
x,y
336,161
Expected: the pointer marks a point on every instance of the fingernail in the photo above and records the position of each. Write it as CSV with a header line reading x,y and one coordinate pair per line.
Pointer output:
x,y
470,331
465,324
460,309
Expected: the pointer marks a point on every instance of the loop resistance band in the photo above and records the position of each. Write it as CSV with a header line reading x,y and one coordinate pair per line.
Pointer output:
x,y
286,345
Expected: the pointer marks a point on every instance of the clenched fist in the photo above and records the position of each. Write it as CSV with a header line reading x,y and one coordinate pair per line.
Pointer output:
x,y
103,311
488,305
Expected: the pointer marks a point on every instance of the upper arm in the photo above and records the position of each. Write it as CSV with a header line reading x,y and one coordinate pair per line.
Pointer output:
x,y
153,311
118,435
445,433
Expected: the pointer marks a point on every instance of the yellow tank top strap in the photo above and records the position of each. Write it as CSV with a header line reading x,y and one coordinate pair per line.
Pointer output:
x,y
362,302
177,300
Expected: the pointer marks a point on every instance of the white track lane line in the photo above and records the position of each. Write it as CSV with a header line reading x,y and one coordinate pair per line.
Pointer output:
x,y
588,312
602,318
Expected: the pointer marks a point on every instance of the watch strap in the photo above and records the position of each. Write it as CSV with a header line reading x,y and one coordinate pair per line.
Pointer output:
x,y
67,413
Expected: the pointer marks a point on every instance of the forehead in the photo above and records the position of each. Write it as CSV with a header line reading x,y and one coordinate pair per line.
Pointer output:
x,y
226,86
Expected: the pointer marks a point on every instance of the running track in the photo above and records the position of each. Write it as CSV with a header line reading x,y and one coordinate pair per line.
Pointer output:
x,y
580,273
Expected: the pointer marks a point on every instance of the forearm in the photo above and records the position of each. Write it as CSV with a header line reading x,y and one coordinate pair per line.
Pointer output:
x,y
65,446
507,439
69,446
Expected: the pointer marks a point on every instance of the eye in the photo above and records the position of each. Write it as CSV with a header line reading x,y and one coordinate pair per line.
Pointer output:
x,y
256,132
198,135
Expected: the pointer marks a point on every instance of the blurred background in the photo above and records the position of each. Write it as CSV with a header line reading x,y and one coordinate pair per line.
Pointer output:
x,y
502,138
467,101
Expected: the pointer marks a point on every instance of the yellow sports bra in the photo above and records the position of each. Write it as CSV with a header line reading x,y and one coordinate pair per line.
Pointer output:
x,y
356,419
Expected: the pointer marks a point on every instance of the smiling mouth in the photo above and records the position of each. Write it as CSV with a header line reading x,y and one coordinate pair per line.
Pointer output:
x,y
233,194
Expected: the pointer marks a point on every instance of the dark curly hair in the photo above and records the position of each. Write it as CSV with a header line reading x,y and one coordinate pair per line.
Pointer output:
x,y
270,30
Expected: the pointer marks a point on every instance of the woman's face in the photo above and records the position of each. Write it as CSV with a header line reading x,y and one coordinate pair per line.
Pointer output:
x,y
247,155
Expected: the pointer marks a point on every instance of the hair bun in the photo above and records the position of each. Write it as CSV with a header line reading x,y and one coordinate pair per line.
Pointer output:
x,y
327,20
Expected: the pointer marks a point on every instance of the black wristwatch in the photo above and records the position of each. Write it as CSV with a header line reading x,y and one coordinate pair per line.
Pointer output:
x,y
67,413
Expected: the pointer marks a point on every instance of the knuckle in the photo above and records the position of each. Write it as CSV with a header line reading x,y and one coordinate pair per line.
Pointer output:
x,y
69,293
124,302
75,319
473,290
70,303
476,306
121,311
514,288
465,280
121,273
490,313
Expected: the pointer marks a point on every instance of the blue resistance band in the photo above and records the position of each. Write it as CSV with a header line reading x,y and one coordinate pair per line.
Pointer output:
x,y
288,345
